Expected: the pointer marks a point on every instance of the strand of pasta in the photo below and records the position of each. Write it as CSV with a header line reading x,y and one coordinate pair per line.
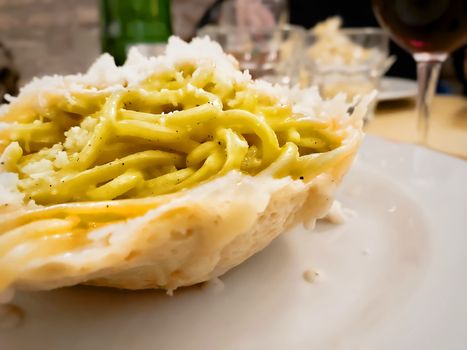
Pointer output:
x,y
163,137
117,186
65,185
236,149
102,133
125,208
33,230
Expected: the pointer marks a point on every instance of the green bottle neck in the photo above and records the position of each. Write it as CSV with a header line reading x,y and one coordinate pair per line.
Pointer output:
x,y
125,23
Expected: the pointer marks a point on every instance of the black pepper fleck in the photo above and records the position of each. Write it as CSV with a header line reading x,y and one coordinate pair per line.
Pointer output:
x,y
301,177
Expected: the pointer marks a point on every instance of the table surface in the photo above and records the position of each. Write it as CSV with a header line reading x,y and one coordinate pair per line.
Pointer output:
x,y
397,121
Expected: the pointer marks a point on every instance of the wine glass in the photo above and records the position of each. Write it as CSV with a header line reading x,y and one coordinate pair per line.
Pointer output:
x,y
429,30
271,55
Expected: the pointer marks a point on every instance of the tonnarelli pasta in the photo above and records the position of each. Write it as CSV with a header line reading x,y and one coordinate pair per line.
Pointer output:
x,y
169,133
95,159
99,172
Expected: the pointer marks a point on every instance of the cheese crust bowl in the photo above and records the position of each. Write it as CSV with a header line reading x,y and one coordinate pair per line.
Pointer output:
x,y
162,173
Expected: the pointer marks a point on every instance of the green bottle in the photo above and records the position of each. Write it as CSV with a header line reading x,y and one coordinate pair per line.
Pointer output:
x,y
125,23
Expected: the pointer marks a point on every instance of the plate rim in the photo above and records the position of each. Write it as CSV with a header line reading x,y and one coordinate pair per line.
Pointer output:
x,y
394,95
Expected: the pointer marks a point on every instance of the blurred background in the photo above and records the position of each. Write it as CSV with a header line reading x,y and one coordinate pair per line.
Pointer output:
x,y
304,42
40,37
62,36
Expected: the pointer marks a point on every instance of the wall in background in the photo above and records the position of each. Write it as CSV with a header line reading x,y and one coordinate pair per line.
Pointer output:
x,y
62,36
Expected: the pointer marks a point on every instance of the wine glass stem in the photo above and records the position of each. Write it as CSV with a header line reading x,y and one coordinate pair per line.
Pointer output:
x,y
428,68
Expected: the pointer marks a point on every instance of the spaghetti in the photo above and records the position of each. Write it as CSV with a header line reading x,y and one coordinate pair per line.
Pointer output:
x,y
96,159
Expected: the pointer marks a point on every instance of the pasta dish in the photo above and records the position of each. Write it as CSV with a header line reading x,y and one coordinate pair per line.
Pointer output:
x,y
94,156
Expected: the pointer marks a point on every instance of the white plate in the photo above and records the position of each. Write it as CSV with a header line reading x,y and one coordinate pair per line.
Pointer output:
x,y
393,277
397,88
